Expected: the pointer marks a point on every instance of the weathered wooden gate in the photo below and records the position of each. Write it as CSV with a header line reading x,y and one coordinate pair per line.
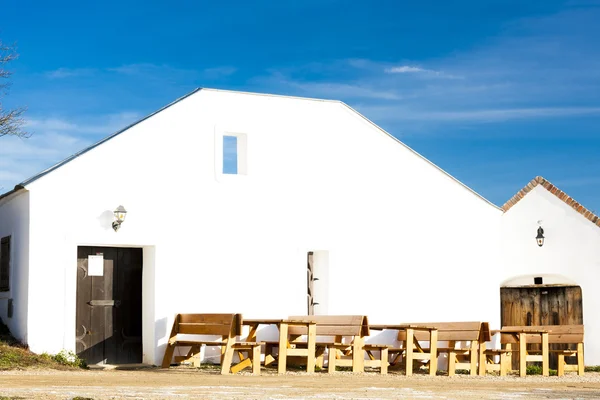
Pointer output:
x,y
109,306
542,305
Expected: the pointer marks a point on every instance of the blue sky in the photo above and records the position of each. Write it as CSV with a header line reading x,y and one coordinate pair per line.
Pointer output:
x,y
494,92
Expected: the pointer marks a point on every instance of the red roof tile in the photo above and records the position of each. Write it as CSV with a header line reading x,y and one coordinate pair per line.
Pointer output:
x,y
537,181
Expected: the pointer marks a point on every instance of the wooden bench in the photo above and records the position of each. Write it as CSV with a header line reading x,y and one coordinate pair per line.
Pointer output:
x,y
228,326
330,332
571,335
466,343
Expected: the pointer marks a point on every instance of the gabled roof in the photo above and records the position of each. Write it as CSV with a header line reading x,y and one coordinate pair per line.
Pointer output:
x,y
23,184
537,181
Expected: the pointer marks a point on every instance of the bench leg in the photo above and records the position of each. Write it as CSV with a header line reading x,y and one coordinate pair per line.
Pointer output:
x,y
482,361
282,357
451,363
331,358
384,361
522,356
227,359
580,366
504,364
473,354
168,356
561,365
256,360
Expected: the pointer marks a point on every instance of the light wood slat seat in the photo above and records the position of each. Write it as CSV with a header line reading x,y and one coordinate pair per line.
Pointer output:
x,y
556,334
228,326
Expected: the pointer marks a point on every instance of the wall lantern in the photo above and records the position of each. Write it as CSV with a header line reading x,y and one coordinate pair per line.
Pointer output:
x,y
540,237
120,214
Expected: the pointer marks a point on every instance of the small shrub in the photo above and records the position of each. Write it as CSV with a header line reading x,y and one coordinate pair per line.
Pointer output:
x,y
592,368
537,370
534,370
69,359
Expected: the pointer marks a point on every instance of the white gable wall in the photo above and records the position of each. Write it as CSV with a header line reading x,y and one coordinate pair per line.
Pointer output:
x,y
571,253
14,222
405,241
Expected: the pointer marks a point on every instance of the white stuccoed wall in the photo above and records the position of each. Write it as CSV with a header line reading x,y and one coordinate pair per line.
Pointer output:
x,y
14,222
405,241
571,254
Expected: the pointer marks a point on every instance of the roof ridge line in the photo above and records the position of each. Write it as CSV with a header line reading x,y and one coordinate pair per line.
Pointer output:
x,y
568,200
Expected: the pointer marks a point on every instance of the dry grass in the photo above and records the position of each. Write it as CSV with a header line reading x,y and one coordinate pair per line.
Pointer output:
x,y
13,355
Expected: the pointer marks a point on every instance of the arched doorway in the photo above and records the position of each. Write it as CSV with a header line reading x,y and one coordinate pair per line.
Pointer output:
x,y
541,304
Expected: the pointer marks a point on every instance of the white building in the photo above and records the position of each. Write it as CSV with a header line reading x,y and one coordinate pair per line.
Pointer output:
x,y
390,234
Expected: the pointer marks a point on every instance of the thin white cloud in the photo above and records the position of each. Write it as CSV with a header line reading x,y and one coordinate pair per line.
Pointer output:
x,y
218,72
510,114
105,124
402,113
421,72
326,90
53,140
404,69
62,73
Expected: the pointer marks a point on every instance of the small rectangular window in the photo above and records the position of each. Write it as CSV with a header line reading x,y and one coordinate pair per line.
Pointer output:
x,y
230,155
538,280
5,264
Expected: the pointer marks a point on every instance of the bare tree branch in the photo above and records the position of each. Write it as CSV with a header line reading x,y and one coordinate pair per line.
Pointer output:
x,y
11,121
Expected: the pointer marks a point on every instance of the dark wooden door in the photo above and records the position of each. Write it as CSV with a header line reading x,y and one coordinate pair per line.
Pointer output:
x,y
109,307
542,305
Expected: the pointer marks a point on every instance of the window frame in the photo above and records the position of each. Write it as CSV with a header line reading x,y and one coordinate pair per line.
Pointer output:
x,y
241,136
5,239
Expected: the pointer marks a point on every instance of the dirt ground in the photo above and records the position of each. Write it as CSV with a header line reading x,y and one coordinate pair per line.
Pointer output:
x,y
208,384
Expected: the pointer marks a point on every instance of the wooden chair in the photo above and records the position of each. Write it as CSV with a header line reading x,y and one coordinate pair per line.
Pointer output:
x,y
228,326
560,335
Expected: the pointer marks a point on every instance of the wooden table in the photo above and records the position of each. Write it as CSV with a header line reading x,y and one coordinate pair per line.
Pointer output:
x,y
285,348
520,335
409,349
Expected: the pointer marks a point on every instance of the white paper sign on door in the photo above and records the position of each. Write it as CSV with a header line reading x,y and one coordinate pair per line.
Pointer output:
x,y
96,265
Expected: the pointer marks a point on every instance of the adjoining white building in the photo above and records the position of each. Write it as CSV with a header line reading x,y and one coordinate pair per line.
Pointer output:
x,y
388,233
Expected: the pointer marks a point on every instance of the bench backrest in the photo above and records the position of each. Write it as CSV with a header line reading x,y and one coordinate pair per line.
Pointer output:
x,y
566,334
333,325
207,324
453,331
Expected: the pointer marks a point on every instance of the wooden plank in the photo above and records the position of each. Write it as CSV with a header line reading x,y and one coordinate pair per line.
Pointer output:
x,y
443,335
203,329
211,319
111,325
328,330
83,311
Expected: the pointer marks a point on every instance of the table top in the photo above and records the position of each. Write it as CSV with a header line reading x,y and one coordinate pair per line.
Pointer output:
x,y
403,327
525,329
